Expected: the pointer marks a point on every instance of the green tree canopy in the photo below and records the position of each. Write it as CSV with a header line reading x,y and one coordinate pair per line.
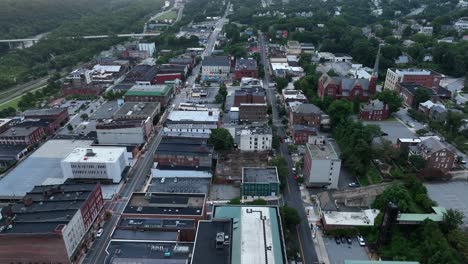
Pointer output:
x,y
340,110
396,194
221,139
452,220
391,98
421,95
289,216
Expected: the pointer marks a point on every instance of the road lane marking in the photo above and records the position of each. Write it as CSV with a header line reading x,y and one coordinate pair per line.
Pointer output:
x,y
300,246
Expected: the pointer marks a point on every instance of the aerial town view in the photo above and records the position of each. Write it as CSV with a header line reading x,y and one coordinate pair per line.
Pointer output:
x,y
233,131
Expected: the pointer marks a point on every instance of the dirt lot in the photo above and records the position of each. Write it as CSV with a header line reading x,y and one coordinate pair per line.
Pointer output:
x,y
229,167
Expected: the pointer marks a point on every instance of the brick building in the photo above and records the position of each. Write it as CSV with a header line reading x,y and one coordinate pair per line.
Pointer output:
x,y
345,87
408,91
185,152
50,225
141,74
305,114
374,110
22,135
56,116
436,154
252,105
149,93
422,77
301,133
246,68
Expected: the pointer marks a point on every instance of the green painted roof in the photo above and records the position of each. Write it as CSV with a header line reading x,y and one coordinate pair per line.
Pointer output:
x,y
147,91
437,216
378,262
234,212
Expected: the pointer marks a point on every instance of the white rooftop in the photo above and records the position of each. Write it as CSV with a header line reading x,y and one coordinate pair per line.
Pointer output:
x,y
363,218
413,72
195,116
107,68
255,235
42,164
410,140
95,155
157,173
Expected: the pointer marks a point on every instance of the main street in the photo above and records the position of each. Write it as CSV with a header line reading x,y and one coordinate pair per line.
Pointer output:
x,y
291,194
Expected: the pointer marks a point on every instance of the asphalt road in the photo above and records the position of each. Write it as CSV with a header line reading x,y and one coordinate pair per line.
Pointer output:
x,y
291,194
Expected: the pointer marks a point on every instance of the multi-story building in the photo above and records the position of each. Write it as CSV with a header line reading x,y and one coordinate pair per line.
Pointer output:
x,y
183,61
149,93
184,152
375,110
57,117
408,91
249,96
162,78
50,225
246,68
221,241
215,69
150,48
294,47
321,166
5,124
124,132
461,24
255,139
301,133
103,163
80,82
345,87
436,154
422,77
197,122
305,114
22,135
249,113
290,95
259,182
138,111
143,74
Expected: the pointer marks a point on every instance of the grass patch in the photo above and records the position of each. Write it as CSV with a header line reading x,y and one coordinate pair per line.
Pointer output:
x,y
13,103
169,15
364,181
373,175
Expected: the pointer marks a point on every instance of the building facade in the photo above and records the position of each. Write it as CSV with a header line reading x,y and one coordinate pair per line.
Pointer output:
x,y
246,68
436,154
22,135
256,139
375,110
215,69
184,152
306,115
321,166
422,77
253,112
260,182
106,163
347,88
124,132
150,93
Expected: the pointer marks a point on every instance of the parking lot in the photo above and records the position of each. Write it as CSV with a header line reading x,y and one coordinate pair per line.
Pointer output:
x,y
451,195
393,128
338,253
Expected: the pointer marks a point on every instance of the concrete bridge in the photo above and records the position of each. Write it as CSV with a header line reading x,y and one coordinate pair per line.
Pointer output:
x,y
127,35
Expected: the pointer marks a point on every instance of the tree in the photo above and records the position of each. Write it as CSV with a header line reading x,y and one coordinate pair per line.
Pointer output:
x,y
222,93
69,127
396,194
340,110
391,98
258,202
420,95
417,161
221,139
289,216
452,220
234,201
84,116
281,83
453,122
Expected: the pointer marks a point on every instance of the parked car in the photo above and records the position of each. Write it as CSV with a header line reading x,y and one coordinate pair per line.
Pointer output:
x,y
99,232
361,241
353,184
337,240
348,239
343,240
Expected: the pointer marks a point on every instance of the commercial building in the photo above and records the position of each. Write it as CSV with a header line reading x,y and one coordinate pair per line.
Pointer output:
x,y
290,95
321,166
142,73
333,220
190,61
246,68
150,48
103,163
149,93
240,234
249,113
44,162
166,206
249,96
215,69
193,121
347,88
124,132
162,78
259,182
5,124
10,154
22,135
436,154
172,252
138,111
306,115
79,82
57,117
255,139
375,110
185,152
50,225
173,68
422,77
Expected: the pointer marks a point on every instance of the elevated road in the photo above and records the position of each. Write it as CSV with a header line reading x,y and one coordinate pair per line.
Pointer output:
x,y
125,35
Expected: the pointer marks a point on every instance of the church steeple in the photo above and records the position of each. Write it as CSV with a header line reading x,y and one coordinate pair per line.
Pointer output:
x,y
375,74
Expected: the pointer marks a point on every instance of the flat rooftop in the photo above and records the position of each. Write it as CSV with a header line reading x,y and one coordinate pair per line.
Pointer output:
x,y
44,163
95,155
255,230
260,175
166,204
180,185
186,146
206,248
181,172
105,111
256,131
121,252
193,116
149,90
19,131
364,218
44,112
131,109
322,151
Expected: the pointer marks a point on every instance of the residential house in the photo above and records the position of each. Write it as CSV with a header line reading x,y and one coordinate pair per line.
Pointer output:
x,y
436,154
307,115
294,47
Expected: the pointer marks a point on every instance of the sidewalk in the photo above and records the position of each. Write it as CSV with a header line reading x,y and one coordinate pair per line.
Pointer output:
x,y
313,218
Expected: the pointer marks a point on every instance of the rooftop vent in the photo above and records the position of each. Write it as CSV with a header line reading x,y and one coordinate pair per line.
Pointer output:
x,y
90,153
219,240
